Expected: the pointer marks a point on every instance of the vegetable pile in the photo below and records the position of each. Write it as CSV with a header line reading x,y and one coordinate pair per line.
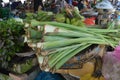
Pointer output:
x,y
55,43
69,15
11,40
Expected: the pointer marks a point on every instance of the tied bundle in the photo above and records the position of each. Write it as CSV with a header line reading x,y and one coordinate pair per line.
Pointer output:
x,y
55,43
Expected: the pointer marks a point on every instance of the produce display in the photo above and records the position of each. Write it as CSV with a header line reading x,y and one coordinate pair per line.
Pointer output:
x,y
68,15
11,40
60,41
55,43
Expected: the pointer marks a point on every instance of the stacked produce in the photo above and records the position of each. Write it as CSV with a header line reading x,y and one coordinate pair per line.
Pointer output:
x,y
55,43
40,16
69,15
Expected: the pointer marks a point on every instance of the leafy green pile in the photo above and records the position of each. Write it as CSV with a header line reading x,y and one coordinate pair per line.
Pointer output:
x,y
11,40
4,13
40,16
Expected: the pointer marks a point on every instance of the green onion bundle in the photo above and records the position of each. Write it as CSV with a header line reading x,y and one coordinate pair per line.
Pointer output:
x,y
56,43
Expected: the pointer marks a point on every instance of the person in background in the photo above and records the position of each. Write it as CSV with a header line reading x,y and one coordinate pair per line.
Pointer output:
x,y
16,4
37,4
0,8
47,5
0,3
16,15
55,6
62,4
69,2
75,3
22,13
81,6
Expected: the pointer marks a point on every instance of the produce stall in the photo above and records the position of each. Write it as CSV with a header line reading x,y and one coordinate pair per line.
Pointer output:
x,y
60,46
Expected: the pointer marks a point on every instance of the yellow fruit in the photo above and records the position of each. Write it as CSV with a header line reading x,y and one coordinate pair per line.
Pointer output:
x,y
68,21
59,18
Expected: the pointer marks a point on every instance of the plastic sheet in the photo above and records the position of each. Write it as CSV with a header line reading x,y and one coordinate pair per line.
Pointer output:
x,y
111,65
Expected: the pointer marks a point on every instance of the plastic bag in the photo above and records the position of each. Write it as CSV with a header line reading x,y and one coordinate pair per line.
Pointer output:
x,y
90,21
111,65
